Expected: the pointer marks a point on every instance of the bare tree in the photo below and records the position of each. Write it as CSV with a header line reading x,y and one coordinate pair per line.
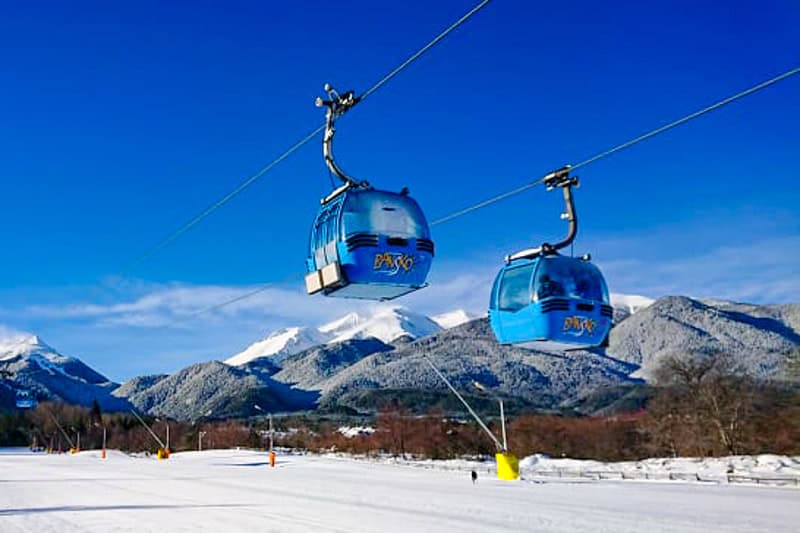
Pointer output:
x,y
711,395
393,424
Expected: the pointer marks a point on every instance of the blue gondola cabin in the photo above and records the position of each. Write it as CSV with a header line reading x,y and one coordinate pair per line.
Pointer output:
x,y
368,244
550,303
24,400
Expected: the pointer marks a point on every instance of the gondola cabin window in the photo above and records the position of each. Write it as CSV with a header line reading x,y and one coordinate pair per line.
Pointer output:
x,y
515,288
382,213
570,278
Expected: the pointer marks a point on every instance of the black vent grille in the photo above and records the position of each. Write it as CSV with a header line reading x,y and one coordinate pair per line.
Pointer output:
x,y
361,240
425,245
585,307
396,241
607,310
555,305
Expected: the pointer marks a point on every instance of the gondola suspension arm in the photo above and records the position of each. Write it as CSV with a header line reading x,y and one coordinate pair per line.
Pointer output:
x,y
557,179
337,105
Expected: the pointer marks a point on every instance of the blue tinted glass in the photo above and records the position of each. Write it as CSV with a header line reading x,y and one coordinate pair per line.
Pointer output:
x,y
383,213
515,288
570,278
493,297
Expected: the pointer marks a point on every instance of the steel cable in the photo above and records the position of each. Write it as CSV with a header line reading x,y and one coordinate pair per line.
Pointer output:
x,y
296,146
480,205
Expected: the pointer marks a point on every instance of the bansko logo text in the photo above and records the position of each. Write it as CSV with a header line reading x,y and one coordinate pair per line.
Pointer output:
x,y
393,263
578,326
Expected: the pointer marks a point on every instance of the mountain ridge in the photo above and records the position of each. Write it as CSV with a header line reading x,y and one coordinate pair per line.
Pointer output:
x,y
388,325
34,367
358,371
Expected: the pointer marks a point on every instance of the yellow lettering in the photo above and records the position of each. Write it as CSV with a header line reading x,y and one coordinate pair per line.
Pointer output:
x,y
381,259
406,261
393,262
579,324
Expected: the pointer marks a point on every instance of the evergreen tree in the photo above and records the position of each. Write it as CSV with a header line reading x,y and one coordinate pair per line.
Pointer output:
x,y
96,414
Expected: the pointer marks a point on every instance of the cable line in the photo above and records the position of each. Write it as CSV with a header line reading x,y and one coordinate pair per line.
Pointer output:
x,y
239,298
636,140
424,49
485,203
255,177
687,118
219,203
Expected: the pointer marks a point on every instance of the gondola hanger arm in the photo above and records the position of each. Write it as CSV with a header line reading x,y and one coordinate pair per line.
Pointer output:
x,y
336,105
557,179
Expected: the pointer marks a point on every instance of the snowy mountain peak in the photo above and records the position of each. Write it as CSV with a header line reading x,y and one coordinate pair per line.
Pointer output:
x,y
631,303
350,320
22,344
387,324
455,318
279,345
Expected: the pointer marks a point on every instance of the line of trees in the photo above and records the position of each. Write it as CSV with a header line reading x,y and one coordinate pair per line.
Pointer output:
x,y
700,406
40,427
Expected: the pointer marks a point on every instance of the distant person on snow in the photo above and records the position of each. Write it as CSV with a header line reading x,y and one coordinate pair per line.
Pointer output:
x,y
474,477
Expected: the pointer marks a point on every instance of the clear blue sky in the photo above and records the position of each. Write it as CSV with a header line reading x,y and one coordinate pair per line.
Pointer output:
x,y
120,122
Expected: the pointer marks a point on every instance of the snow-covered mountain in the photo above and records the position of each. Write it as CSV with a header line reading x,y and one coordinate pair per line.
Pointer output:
x,y
31,351
280,345
455,318
363,360
31,365
387,324
631,303
22,344
759,337
626,305
214,389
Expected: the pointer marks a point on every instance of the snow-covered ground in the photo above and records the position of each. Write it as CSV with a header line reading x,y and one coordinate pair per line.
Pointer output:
x,y
741,468
766,469
236,491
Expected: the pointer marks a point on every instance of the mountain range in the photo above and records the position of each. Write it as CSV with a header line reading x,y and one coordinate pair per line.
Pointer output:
x,y
387,324
37,369
361,361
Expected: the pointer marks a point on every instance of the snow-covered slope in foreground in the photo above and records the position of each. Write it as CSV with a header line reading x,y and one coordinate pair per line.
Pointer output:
x,y
770,466
235,491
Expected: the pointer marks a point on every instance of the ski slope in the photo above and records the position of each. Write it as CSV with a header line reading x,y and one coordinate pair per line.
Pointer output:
x,y
236,491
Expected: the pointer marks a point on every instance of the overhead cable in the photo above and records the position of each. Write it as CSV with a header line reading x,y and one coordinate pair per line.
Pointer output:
x,y
636,140
296,146
485,203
